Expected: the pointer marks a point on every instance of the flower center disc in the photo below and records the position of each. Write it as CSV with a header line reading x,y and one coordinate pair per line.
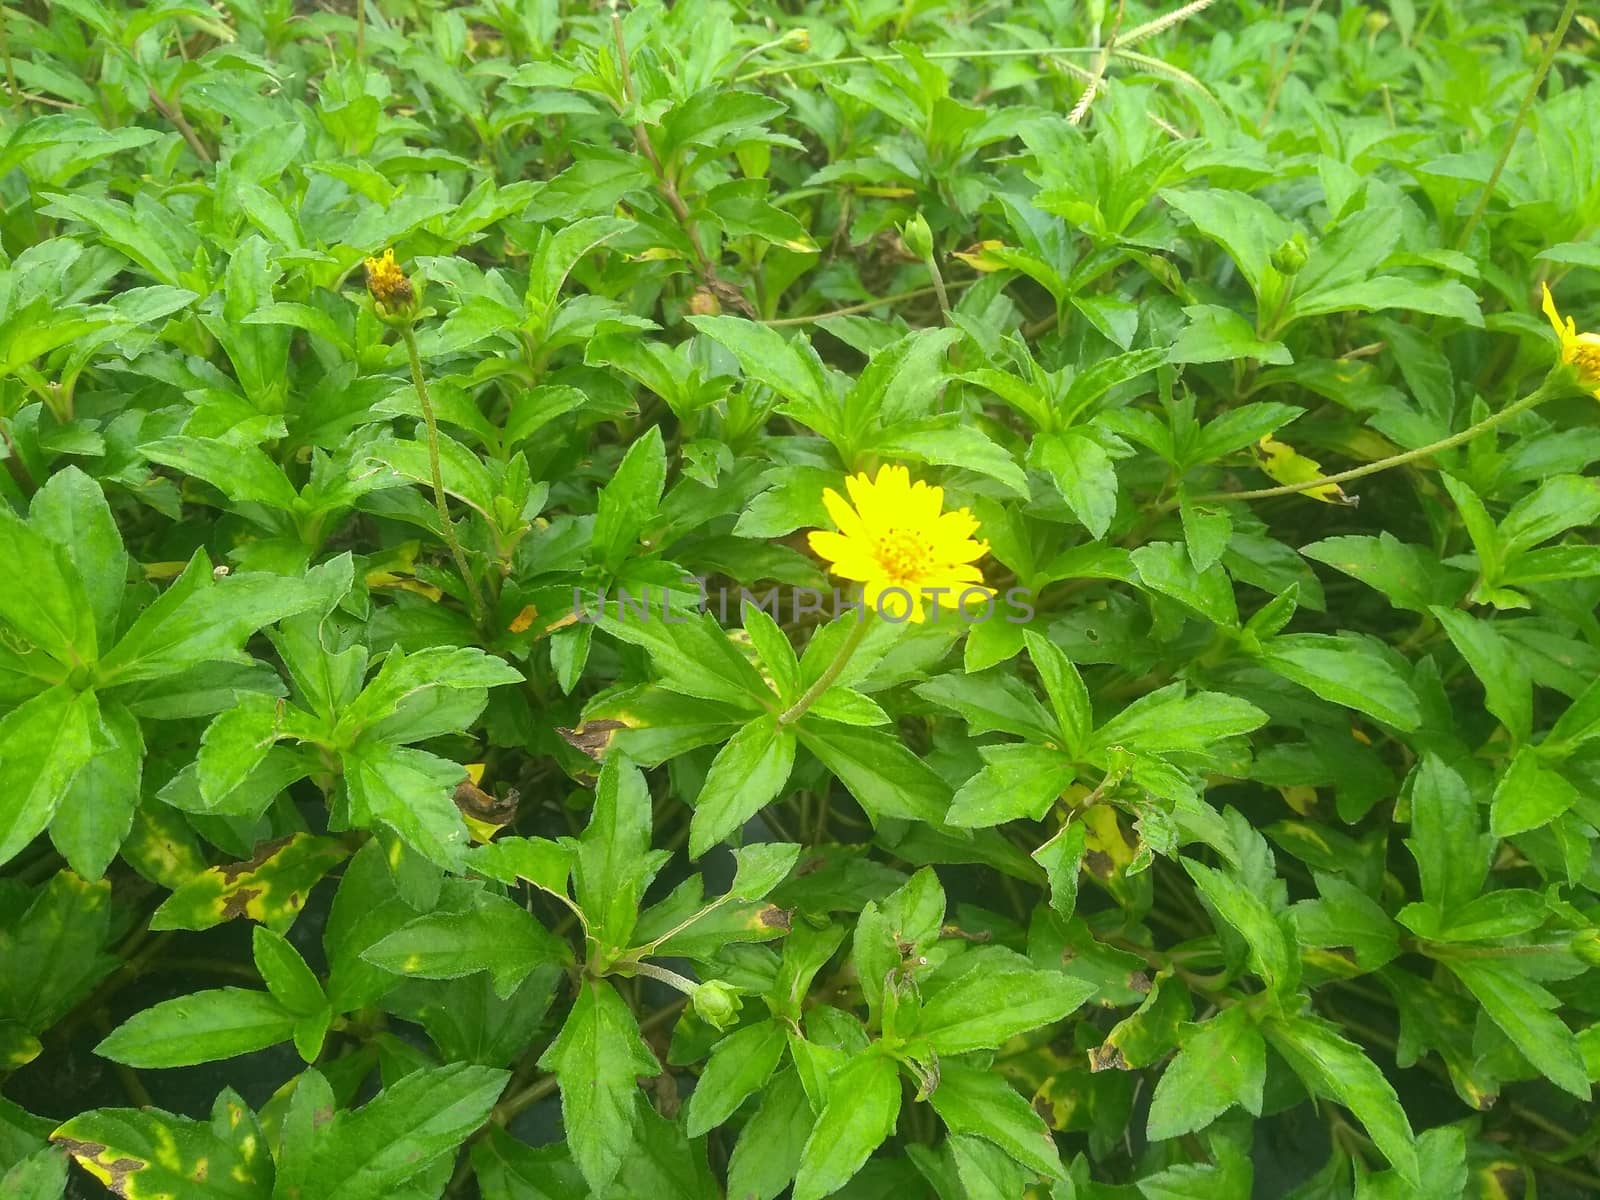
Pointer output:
x,y
904,554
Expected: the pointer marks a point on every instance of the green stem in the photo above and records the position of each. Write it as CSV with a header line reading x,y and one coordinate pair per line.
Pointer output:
x,y
1288,65
475,598
830,673
671,978
1556,39
1544,392
938,286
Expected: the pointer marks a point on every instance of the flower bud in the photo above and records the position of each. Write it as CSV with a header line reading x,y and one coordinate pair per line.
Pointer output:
x,y
716,1003
1586,946
1291,256
917,236
798,40
704,303
393,297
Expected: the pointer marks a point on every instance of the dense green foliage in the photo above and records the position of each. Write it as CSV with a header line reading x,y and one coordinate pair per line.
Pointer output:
x,y
355,844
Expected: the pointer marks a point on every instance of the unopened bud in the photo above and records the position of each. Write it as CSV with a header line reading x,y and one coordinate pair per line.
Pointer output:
x,y
716,1004
1288,258
798,39
704,303
917,236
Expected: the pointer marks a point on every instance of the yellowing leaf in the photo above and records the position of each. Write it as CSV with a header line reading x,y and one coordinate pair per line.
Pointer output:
x,y
978,257
271,887
1286,465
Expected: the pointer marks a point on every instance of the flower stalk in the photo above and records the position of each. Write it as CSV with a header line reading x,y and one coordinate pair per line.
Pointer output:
x,y
830,673
474,595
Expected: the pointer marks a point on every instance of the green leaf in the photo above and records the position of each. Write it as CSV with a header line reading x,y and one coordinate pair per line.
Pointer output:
x,y
401,1134
961,446
1345,670
1525,1013
199,1028
96,811
748,774
1333,1067
200,619
1222,1062
761,867
1165,721
1017,780
1273,955
980,1102
739,1066
1452,855
1410,576
235,743
1164,567
1528,796
1069,699
614,864
53,612
863,1107
1508,690
630,500
884,776
767,1154
397,705
54,950
493,934
44,743
989,995
288,978
71,511
1217,334
693,656
244,474
1062,859
1083,474
410,792
40,1176
1247,228
598,1056
990,702
789,368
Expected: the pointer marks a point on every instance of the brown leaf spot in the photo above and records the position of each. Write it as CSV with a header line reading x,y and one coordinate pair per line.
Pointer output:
x,y
238,904
1106,1057
592,737
232,871
1139,982
774,917
116,1171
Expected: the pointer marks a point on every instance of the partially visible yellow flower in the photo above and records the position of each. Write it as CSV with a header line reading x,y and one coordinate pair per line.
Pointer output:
x,y
899,542
387,284
1581,350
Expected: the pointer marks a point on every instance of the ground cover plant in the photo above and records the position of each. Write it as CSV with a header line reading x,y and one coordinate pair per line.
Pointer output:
x,y
891,598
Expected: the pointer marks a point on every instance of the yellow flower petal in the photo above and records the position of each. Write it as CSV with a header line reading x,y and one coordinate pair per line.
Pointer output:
x,y
894,538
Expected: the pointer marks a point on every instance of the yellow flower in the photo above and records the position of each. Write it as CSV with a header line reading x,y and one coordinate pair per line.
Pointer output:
x,y
899,542
387,284
1581,350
